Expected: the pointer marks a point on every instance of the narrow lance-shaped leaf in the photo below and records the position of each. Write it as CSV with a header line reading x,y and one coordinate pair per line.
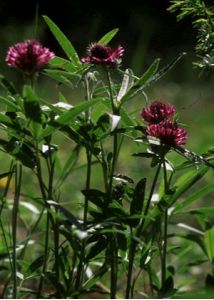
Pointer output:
x,y
166,69
188,184
67,116
97,248
67,214
181,188
139,85
199,194
7,85
138,199
68,165
126,84
11,106
63,41
209,243
108,36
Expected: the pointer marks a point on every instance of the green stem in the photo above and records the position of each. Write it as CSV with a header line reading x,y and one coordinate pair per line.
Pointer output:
x,y
88,97
79,276
11,170
43,192
165,225
133,245
164,250
113,239
55,224
114,161
104,168
6,189
18,180
80,271
114,265
42,277
30,233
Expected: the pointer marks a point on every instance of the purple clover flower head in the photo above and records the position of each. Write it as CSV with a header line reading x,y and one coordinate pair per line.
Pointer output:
x,y
101,54
157,112
28,56
168,132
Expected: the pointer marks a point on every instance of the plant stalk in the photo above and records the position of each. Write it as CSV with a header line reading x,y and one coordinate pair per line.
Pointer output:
x,y
79,276
133,245
18,181
165,226
80,268
113,239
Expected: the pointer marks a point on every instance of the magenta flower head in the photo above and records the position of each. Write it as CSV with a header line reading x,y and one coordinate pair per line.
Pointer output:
x,y
168,132
157,112
101,54
28,56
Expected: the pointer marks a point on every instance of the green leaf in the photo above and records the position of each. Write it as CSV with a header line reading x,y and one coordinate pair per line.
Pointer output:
x,y
140,83
6,120
145,154
67,117
167,289
206,211
98,247
61,76
209,243
126,84
138,199
59,62
108,36
183,184
96,277
165,69
96,197
7,85
187,184
11,105
68,165
196,238
36,264
67,214
63,41
199,194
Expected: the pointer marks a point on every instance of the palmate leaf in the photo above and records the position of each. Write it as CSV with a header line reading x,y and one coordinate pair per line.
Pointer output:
x,y
63,41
